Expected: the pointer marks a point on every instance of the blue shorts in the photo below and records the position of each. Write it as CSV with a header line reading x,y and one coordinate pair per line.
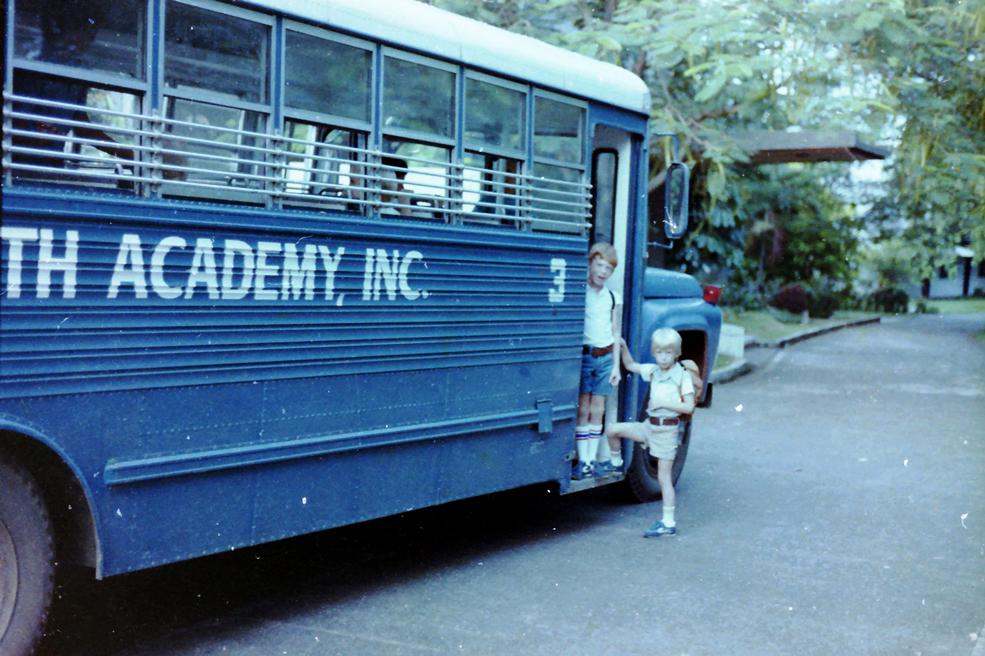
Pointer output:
x,y
595,372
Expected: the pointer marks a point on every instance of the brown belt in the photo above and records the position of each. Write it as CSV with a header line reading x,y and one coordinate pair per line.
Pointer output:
x,y
664,421
596,352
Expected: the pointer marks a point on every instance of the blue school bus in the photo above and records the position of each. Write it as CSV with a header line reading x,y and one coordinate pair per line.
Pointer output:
x,y
271,267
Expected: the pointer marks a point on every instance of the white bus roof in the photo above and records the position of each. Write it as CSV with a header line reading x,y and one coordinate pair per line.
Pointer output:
x,y
446,35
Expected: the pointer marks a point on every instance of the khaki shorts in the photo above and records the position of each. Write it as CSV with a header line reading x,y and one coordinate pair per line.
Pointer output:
x,y
661,441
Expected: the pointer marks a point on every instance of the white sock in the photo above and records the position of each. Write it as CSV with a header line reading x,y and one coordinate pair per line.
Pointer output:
x,y
605,453
592,447
594,433
668,519
581,442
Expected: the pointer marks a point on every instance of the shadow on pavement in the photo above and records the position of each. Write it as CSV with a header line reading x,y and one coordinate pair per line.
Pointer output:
x,y
126,614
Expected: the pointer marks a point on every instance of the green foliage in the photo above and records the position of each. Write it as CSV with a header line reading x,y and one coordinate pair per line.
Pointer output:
x,y
823,301
795,228
888,299
936,198
892,262
742,296
906,71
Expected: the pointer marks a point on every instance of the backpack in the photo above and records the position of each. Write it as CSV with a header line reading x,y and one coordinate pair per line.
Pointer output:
x,y
691,367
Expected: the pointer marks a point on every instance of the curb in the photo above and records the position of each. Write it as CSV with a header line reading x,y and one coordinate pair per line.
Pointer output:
x,y
742,367
731,372
814,332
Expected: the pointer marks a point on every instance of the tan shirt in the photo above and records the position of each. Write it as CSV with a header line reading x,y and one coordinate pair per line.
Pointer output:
x,y
671,385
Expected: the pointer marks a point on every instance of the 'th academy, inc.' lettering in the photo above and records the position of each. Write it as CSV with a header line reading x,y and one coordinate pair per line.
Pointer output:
x,y
230,271
234,270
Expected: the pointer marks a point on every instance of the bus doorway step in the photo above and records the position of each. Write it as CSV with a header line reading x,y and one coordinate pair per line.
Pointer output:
x,y
589,483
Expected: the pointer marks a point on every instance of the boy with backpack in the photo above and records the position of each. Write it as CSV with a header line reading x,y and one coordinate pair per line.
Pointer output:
x,y
672,394
600,370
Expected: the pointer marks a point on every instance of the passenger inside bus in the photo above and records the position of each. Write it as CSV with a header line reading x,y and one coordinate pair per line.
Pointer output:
x,y
499,193
67,30
50,128
395,196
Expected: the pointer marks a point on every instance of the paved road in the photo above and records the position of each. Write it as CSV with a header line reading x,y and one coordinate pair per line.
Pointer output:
x,y
833,503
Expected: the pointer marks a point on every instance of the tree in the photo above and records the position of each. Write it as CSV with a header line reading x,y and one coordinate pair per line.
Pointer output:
x,y
904,69
936,196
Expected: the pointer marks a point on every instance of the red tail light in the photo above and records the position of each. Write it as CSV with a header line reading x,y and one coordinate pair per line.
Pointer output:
x,y
712,294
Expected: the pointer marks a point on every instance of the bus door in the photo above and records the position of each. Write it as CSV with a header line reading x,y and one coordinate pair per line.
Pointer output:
x,y
612,207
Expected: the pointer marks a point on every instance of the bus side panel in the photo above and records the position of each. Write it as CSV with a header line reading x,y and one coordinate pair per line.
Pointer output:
x,y
220,383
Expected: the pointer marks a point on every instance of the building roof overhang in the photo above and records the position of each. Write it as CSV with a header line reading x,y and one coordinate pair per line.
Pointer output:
x,y
771,147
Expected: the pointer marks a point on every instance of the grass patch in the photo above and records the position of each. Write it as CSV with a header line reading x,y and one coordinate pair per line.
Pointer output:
x,y
760,324
766,327
956,305
722,361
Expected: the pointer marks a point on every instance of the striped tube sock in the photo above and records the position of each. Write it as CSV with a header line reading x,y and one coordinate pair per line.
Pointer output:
x,y
594,433
581,442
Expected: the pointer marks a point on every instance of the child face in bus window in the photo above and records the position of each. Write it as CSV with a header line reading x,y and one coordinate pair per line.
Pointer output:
x,y
389,181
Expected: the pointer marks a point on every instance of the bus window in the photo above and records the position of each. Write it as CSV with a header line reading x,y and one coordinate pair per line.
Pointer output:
x,y
215,52
324,161
494,116
558,198
418,98
559,195
491,189
495,143
216,75
85,34
421,189
558,131
90,142
80,130
212,145
605,168
418,123
328,82
327,77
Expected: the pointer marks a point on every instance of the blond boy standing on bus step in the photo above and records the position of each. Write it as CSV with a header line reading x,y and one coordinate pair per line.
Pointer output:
x,y
671,395
600,370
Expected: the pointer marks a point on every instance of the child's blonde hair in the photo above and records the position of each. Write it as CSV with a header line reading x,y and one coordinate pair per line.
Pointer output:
x,y
606,251
666,338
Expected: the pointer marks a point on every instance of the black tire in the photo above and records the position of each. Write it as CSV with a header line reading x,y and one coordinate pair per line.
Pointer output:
x,y
27,566
642,475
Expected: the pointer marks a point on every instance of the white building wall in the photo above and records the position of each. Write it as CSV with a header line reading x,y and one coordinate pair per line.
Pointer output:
x,y
953,285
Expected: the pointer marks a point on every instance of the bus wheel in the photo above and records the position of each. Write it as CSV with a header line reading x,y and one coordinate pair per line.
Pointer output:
x,y
642,474
27,565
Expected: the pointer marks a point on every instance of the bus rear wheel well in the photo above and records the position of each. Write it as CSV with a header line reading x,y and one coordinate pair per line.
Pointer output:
x,y
71,516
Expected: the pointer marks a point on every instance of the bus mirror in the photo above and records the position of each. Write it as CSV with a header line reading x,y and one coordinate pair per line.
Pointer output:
x,y
675,200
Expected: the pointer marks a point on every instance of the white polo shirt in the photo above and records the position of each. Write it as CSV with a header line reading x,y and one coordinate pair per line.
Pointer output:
x,y
598,316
